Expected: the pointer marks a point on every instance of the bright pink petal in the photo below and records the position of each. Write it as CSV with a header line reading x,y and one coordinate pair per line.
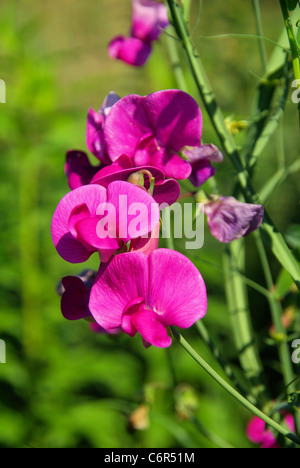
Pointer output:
x,y
126,125
87,233
176,289
124,279
137,212
149,18
78,213
138,318
172,165
258,434
130,50
175,117
69,248
108,174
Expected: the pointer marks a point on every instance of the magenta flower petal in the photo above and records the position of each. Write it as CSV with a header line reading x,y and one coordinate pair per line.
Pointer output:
x,y
172,165
137,214
148,293
130,50
126,125
78,169
68,247
110,173
87,234
258,434
75,299
149,19
153,130
228,219
176,119
146,322
124,280
177,290
165,191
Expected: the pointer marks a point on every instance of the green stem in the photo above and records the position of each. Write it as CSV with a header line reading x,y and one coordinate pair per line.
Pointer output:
x,y
292,39
237,299
276,240
262,48
205,336
226,386
293,44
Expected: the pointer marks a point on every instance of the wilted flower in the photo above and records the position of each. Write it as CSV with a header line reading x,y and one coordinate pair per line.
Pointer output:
x,y
149,18
228,219
147,294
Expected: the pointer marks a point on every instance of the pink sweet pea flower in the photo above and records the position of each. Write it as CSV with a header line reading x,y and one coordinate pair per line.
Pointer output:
x,y
228,219
154,129
258,433
94,219
147,294
149,18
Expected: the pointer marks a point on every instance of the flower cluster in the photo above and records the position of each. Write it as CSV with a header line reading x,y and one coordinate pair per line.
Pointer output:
x,y
143,145
149,18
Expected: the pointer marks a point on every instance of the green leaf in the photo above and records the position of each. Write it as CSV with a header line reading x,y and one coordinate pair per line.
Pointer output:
x,y
283,284
291,4
293,236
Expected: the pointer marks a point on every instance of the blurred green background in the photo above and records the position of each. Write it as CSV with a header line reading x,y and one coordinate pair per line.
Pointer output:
x,y
63,386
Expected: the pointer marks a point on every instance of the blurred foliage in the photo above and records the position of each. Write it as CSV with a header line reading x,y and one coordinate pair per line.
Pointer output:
x,y
63,386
